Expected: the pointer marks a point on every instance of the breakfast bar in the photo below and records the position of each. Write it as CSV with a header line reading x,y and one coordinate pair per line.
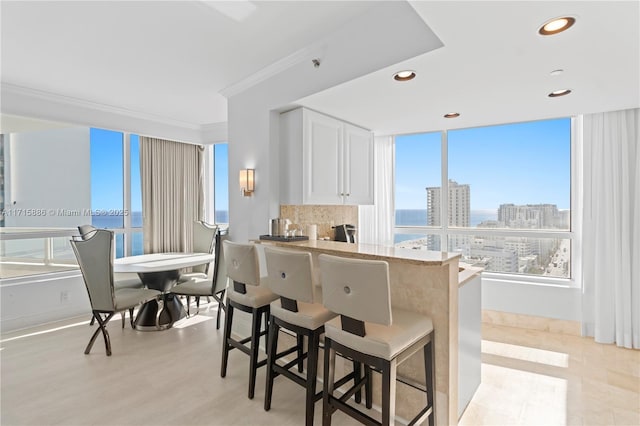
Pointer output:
x,y
426,282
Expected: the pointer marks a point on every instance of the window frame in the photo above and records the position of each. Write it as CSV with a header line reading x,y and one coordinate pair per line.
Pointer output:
x,y
444,231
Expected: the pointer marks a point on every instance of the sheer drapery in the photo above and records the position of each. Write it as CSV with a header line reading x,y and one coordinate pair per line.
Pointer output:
x,y
375,223
611,227
172,193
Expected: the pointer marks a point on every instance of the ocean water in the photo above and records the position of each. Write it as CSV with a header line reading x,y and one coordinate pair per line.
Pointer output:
x,y
418,217
404,217
137,247
117,221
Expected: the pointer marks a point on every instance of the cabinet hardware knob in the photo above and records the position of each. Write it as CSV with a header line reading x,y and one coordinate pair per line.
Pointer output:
x,y
348,194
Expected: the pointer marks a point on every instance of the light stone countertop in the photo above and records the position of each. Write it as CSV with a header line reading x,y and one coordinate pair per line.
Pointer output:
x,y
467,273
372,251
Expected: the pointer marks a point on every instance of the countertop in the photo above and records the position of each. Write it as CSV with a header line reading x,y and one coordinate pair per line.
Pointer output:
x,y
372,251
467,273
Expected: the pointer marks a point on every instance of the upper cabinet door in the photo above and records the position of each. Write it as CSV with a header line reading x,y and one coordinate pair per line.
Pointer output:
x,y
359,167
323,160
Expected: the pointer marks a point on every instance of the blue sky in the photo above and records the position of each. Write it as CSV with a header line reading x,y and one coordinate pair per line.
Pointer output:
x,y
221,167
106,170
524,163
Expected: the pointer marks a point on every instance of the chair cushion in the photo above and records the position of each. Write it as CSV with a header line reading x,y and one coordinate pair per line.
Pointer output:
x,y
126,280
256,296
193,287
126,298
309,315
381,340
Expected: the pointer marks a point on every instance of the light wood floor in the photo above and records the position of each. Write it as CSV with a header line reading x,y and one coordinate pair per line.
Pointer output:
x,y
172,377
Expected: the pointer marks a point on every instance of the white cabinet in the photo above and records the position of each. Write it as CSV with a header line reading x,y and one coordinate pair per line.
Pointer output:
x,y
324,160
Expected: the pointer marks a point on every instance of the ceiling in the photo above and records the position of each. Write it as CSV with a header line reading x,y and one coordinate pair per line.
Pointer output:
x,y
173,61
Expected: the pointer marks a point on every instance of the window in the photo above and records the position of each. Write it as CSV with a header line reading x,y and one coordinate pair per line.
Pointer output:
x,y
135,232
111,154
418,161
221,183
107,196
507,196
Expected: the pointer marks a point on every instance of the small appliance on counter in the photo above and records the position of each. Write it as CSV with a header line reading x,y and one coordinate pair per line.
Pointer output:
x,y
345,233
279,227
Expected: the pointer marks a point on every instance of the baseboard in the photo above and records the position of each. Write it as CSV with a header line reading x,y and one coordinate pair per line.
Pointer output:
x,y
531,322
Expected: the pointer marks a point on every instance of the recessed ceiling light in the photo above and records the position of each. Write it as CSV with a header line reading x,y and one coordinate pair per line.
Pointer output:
x,y
556,25
405,75
557,93
452,115
556,72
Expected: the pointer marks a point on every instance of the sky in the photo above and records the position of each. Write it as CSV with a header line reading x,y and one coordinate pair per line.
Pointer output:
x,y
107,168
524,163
106,172
221,176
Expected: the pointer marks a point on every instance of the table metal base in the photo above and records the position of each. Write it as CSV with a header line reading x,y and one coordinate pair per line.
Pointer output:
x,y
149,319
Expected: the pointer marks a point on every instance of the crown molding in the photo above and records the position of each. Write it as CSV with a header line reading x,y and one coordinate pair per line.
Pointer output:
x,y
307,53
214,132
41,95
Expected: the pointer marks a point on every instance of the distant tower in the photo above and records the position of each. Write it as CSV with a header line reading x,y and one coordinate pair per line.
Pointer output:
x,y
459,212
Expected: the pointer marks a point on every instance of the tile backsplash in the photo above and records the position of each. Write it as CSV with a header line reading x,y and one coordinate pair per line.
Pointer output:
x,y
322,215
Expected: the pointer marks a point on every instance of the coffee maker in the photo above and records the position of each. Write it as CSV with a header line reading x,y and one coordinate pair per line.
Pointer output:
x,y
345,233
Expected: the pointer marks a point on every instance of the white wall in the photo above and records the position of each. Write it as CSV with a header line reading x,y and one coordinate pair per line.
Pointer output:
x,y
549,301
372,41
29,301
48,171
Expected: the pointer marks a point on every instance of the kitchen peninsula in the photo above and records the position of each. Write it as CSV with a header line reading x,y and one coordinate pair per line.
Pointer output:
x,y
427,282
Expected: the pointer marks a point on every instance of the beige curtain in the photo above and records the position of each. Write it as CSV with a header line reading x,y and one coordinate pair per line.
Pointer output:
x,y
172,193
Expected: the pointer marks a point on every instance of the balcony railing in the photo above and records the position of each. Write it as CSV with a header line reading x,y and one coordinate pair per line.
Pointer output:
x,y
35,251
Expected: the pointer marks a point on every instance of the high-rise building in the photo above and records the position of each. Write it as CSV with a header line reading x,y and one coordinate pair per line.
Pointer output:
x,y
535,216
459,205
459,211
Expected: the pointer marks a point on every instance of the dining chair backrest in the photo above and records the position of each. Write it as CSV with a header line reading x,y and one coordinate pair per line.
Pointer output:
x,y
204,239
220,277
94,256
242,264
356,288
290,273
86,231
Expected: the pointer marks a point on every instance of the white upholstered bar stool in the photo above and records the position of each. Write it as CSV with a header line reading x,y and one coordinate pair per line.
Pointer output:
x,y
370,331
290,275
248,294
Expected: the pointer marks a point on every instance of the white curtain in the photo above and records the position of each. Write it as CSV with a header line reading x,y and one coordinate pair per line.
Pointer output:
x,y
611,227
172,193
375,223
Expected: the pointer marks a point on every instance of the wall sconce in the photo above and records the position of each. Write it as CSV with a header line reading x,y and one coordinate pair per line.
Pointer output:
x,y
247,182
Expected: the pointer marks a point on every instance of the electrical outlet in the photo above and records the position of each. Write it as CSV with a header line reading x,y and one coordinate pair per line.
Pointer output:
x,y
64,296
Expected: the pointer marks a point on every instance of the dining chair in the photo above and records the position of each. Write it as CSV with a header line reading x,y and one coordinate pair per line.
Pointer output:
x,y
216,286
204,241
120,280
95,258
369,330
